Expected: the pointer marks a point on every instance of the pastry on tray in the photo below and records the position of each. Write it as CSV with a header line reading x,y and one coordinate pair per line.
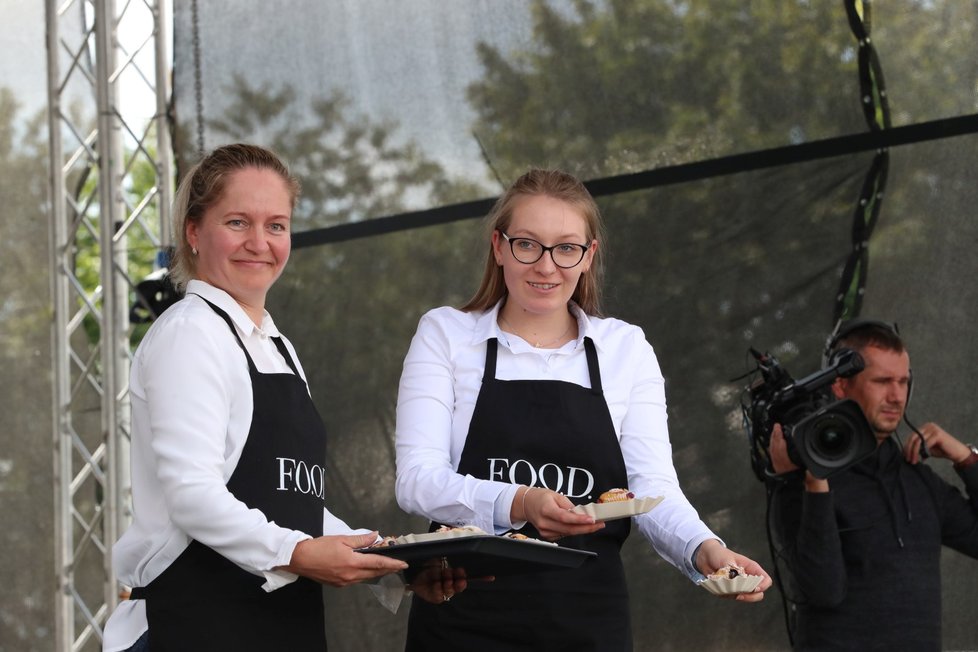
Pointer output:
x,y
615,496
617,503
444,532
729,580
522,537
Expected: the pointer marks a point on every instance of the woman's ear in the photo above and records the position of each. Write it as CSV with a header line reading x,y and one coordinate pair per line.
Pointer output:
x,y
190,232
497,243
589,255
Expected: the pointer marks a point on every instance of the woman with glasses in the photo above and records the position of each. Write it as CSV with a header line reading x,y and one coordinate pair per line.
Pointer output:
x,y
525,402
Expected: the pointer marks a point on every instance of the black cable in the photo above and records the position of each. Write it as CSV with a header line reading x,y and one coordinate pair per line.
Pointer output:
x,y
924,453
775,570
876,111
734,164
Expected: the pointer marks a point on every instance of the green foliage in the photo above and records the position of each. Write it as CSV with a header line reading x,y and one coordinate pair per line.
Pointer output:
x,y
350,169
23,237
25,402
140,243
706,268
632,85
710,267
627,85
354,306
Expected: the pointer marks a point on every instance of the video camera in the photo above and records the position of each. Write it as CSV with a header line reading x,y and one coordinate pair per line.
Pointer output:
x,y
824,435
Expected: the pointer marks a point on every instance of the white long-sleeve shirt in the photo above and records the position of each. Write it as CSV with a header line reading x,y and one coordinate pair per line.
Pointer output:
x,y
191,414
440,383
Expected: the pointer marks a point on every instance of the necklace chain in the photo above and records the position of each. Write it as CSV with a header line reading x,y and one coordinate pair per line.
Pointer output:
x,y
538,345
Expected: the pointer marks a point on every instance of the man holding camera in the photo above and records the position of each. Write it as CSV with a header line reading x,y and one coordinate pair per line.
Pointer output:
x,y
862,547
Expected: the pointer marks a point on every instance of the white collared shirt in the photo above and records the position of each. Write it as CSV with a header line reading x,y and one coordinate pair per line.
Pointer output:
x,y
440,383
191,415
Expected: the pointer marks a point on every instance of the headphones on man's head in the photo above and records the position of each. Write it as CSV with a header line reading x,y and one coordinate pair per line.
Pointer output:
x,y
844,328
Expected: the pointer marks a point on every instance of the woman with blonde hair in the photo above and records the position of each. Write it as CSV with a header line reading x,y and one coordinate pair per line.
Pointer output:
x,y
526,402
230,539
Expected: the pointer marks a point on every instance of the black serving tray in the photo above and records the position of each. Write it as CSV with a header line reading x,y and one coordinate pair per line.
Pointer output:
x,y
482,556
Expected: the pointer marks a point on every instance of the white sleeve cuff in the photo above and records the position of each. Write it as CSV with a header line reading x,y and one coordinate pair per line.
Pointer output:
x,y
690,569
502,509
275,578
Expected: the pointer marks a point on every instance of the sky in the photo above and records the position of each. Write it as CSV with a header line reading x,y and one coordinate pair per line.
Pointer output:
x,y
22,31
333,44
398,62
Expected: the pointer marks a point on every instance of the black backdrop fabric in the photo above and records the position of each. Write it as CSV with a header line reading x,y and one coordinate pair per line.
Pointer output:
x,y
385,108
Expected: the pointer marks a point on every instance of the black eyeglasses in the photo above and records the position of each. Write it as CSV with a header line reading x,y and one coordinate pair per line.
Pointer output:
x,y
529,251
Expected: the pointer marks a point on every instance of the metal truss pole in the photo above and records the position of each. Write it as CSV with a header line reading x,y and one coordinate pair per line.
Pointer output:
x,y
107,225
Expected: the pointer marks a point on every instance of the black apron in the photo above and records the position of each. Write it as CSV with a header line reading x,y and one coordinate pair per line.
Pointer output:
x,y
557,435
203,601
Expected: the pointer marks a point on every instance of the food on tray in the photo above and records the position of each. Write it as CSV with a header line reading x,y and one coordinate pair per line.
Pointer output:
x,y
443,532
446,529
615,496
730,580
385,542
448,532
727,572
522,537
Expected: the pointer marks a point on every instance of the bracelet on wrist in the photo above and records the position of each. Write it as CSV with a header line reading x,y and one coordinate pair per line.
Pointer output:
x,y
523,502
969,461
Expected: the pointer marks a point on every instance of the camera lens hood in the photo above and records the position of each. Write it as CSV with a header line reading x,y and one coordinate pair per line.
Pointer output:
x,y
833,438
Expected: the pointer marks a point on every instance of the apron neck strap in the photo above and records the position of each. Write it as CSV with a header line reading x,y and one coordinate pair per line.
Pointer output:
x,y
592,365
492,346
490,368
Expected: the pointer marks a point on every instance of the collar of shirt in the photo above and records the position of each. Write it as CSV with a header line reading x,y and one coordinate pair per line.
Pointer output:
x,y
238,316
487,326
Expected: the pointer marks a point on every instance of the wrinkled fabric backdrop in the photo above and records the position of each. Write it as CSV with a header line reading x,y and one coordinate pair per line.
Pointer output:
x,y
386,107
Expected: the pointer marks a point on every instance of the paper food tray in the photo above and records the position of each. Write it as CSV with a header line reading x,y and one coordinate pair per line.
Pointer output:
x,y
619,509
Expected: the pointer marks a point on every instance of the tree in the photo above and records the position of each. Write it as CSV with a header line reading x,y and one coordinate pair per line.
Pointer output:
x,y
351,308
709,267
25,461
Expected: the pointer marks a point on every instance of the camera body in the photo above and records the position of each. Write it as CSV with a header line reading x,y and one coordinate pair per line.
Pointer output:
x,y
824,435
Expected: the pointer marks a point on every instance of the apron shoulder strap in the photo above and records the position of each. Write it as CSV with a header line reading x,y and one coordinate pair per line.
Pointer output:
x,y
490,370
223,315
280,345
592,365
